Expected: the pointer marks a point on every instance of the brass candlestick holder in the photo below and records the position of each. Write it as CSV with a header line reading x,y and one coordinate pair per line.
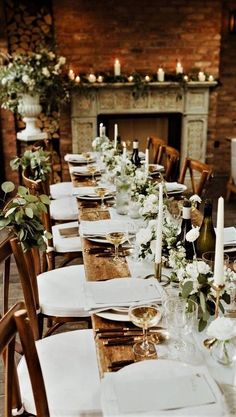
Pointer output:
x,y
218,288
157,269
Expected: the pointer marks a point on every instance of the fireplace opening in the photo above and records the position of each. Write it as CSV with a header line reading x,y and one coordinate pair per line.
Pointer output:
x,y
140,126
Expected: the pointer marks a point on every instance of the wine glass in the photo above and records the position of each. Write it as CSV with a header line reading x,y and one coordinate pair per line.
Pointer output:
x,y
116,238
144,316
87,156
92,169
101,192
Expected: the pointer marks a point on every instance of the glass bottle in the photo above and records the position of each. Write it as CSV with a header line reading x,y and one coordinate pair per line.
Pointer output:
x,y
207,237
186,225
119,146
135,159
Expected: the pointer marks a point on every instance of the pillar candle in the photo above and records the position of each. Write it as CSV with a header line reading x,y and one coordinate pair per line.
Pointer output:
x,y
210,78
179,68
160,75
100,129
147,160
124,151
219,247
117,68
201,76
115,135
159,226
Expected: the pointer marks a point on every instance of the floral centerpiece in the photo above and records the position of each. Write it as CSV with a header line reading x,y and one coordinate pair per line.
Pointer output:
x,y
33,73
38,161
145,244
195,281
223,332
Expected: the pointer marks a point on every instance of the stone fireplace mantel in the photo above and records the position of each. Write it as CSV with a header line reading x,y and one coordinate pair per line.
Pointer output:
x,y
192,102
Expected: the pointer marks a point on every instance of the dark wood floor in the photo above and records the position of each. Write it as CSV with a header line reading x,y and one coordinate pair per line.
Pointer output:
x,y
216,189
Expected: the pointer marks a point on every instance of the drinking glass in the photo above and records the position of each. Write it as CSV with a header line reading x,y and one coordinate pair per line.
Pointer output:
x,y
92,169
116,238
87,156
101,192
145,316
209,258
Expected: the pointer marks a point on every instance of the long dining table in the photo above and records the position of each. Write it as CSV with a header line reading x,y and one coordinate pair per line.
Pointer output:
x,y
114,339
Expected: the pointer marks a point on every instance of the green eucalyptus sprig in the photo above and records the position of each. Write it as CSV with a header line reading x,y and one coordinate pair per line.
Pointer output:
x,y
22,216
38,161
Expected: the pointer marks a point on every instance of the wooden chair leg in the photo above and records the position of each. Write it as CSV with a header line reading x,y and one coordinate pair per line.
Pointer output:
x,y
6,282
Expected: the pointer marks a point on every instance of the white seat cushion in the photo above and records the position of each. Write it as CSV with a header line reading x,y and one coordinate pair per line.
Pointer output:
x,y
64,209
61,190
70,372
65,244
61,291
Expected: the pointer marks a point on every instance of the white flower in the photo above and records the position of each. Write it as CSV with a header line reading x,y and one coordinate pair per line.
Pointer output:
x,y
38,56
195,199
193,234
222,328
51,55
45,72
143,236
26,79
203,267
61,60
192,270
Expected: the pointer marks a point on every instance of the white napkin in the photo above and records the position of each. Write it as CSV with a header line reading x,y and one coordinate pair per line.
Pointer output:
x,y
89,191
173,186
229,236
143,393
119,292
101,227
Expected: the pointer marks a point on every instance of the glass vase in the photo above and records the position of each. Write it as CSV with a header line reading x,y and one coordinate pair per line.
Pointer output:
x,y
123,188
224,352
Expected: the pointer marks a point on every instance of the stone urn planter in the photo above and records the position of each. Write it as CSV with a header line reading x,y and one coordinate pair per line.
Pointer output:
x,y
29,108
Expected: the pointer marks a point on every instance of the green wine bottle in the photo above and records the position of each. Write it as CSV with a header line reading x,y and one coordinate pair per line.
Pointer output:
x,y
207,237
186,226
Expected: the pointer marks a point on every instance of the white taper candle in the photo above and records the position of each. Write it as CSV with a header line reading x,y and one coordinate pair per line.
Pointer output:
x,y
219,248
159,226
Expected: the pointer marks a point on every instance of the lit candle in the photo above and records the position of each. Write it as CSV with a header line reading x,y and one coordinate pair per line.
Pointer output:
x,y
201,76
147,160
115,135
219,247
71,74
117,68
77,79
124,151
211,78
100,79
185,78
160,75
147,78
159,226
179,68
100,129
92,78
130,78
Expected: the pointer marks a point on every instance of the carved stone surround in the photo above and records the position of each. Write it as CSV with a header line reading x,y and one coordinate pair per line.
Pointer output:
x,y
192,103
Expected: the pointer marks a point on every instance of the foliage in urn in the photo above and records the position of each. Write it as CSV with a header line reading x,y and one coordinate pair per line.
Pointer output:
x,y
22,216
38,162
34,72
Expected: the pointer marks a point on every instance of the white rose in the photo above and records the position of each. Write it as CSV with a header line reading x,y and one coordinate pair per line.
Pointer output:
x,y
143,236
193,234
38,56
203,268
61,60
195,199
26,79
4,81
45,72
222,328
192,270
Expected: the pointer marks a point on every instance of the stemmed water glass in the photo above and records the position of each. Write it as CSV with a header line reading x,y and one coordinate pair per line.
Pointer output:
x,y
145,316
101,192
87,156
92,169
116,238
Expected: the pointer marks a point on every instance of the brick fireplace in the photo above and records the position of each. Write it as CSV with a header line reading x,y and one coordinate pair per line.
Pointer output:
x,y
191,102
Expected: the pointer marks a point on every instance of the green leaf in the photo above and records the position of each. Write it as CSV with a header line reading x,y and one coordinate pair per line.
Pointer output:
x,y
21,234
10,211
44,198
22,191
187,288
4,222
31,198
29,212
7,186
201,325
18,201
202,301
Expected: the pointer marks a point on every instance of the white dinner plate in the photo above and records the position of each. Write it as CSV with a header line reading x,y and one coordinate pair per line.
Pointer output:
x,y
97,239
160,370
94,197
114,315
86,174
181,189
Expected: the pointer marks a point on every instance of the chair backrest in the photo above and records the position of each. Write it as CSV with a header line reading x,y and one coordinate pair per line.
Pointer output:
x,y
26,263
13,322
38,187
169,157
199,172
153,144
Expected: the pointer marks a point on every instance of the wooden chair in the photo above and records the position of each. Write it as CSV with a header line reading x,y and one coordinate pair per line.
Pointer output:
x,y
169,158
231,184
153,144
55,295
57,375
69,248
200,173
